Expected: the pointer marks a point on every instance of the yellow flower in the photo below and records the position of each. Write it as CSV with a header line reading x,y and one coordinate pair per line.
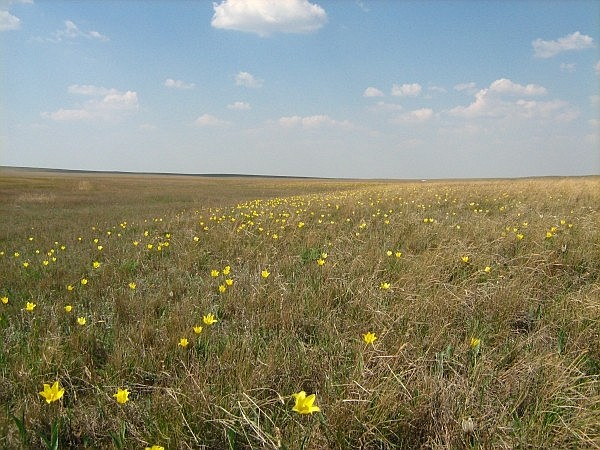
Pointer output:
x,y
29,306
369,338
214,273
183,342
84,281
520,236
265,273
70,287
81,321
226,270
304,404
197,329
4,300
26,264
132,285
229,282
389,253
155,447
95,264
51,394
487,269
222,288
149,246
320,261
549,234
385,286
474,343
68,308
122,395
100,248
209,319
398,254
465,259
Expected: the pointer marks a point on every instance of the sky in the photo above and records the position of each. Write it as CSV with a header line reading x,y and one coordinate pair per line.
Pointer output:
x,y
342,89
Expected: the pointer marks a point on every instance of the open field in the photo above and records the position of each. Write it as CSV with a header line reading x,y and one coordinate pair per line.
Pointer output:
x,y
484,297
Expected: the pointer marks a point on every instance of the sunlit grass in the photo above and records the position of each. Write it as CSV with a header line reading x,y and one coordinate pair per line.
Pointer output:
x,y
190,312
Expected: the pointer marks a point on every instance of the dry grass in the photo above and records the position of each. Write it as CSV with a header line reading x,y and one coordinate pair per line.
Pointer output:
x,y
534,380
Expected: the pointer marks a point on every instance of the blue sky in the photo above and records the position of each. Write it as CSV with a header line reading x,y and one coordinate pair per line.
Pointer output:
x,y
354,89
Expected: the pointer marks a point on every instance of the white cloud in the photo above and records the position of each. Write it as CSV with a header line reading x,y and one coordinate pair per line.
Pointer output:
x,y
208,120
497,101
239,106
406,90
72,31
555,109
178,84
505,86
247,80
416,116
309,122
573,41
372,92
107,104
484,105
9,22
264,17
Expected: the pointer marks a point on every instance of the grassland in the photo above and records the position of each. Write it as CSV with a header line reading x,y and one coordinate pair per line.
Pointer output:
x,y
484,297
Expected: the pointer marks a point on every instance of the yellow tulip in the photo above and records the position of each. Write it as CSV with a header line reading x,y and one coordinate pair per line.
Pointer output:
x,y
51,394
369,338
304,404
